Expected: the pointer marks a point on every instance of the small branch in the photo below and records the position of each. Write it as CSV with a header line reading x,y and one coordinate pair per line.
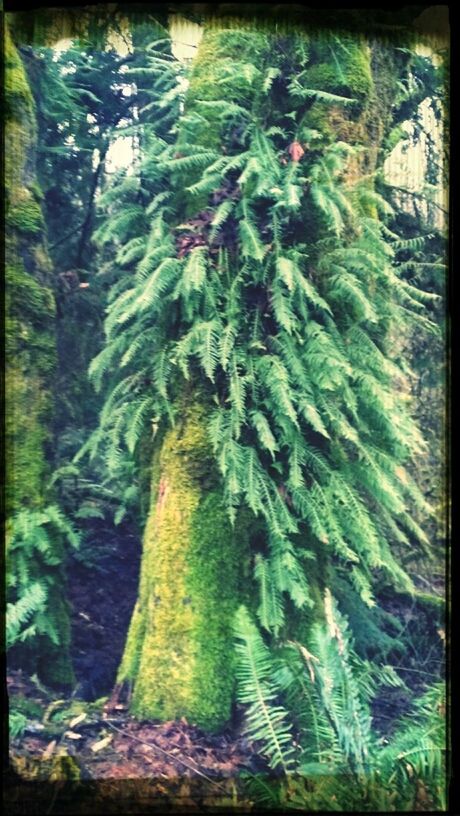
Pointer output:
x,y
418,671
168,754
414,194
89,211
69,235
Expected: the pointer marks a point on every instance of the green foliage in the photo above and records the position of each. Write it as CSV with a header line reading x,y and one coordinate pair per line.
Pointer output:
x,y
36,547
266,721
416,754
16,723
291,342
316,697
242,256
20,711
31,602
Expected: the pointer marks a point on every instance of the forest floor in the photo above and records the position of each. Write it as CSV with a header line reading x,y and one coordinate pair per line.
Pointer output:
x,y
171,765
84,753
164,766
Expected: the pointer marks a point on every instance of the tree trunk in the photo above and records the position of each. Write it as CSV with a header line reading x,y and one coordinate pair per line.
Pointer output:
x,y
195,566
179,647
30,352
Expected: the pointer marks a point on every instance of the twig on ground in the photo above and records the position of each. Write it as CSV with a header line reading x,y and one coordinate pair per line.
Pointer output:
x,y
166,753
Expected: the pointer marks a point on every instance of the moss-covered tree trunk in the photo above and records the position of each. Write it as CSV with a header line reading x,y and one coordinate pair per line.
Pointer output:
x,y
179,648
30,355
178,651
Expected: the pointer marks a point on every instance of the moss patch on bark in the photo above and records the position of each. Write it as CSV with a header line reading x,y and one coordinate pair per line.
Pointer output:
x,y
31,361
179,650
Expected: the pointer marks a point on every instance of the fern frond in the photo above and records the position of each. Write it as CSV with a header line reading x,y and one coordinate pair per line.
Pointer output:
x,y
266,721
270,611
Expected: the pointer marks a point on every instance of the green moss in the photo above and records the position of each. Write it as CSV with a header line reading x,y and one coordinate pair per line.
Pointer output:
x,y
27,297
26,434
343,67
17,141
26,217
144,463
31,359
18,96
218,52
213,588
20,125
179,648
317,118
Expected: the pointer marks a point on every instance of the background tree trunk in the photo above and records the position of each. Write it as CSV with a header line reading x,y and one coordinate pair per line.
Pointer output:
x,y
30,352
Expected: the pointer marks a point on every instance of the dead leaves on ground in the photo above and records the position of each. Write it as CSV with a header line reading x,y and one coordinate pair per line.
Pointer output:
x,y
175,762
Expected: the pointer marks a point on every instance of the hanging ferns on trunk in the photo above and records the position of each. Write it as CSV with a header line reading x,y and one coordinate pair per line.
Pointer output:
x,y
271,282
259,269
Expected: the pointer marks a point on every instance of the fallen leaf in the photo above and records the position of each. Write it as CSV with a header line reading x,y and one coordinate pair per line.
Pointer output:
x,y
48,752
72,735
103,743
77,720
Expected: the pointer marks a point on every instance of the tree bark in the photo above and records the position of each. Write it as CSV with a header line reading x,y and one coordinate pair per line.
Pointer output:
x,y
179,646
30,351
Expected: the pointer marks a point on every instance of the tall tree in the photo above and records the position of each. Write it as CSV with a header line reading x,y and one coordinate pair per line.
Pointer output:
x,y
37,610
57,126
257,332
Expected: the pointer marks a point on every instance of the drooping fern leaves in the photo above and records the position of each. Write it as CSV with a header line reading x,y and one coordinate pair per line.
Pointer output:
x,y
266,719
37,541
289,339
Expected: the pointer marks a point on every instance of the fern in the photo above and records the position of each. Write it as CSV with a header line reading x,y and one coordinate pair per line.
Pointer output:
x,y
251,245
18,614
270,611
194,273
266,721
36,542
